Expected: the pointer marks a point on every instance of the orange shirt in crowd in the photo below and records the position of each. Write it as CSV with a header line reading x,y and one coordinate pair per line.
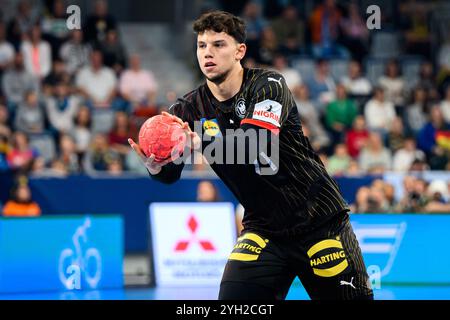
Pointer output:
x,y
15,209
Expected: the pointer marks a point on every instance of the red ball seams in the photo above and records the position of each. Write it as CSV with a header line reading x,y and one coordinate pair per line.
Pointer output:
x,y
163,137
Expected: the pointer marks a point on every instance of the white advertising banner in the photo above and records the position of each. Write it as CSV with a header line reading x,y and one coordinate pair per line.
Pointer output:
x,y
191,242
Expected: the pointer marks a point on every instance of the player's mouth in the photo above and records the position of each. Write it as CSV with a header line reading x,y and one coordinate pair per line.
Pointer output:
x,y
209,66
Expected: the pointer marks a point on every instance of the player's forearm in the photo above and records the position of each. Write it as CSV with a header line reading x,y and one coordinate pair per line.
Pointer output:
x,y
169,173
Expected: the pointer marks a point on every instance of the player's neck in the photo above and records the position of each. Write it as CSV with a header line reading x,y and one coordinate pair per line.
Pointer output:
x,y
229,87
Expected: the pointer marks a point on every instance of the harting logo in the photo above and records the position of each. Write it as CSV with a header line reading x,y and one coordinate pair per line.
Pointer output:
x,y
244,251
183,245
327,258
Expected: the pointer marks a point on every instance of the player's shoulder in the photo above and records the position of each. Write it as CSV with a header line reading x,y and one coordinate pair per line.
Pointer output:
x,y
185,104
259,78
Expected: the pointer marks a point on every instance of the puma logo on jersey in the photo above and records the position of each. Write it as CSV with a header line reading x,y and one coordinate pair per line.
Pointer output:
x,y
345,283
275,80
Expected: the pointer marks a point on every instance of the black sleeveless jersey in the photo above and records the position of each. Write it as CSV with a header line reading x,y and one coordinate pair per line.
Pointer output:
x,y
298,195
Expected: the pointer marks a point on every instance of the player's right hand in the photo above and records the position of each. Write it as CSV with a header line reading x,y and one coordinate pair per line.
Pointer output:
x,y
152,166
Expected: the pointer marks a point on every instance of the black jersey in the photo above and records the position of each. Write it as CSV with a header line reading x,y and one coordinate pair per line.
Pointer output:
x,y
300,195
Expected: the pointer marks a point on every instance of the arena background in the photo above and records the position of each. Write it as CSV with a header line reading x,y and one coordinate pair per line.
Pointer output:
x,y
81,218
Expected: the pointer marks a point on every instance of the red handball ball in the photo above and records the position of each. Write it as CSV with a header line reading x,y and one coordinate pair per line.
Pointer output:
x,y
163,137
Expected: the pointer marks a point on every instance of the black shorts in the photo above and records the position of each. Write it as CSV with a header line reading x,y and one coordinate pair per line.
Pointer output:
x,y
328,262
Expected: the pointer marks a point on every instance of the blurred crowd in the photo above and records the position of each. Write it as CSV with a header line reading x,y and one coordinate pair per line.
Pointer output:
x,y
69,99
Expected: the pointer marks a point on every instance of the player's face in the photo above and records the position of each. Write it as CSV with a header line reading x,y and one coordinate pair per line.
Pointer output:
x,y
218,54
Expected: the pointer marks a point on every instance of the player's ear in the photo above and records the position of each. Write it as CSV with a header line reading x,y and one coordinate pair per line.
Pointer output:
x,y
240,52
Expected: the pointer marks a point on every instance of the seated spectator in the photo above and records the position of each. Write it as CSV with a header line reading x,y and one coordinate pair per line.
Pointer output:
x,y
290,75
16,82
426,139
30,115
99,23
133,164
414,197
288,27
393,84
99,155
268,47
21,204
56,169
379,113
138,86
114,53
321,85
115,167
74,52
396,135
355,33
355,83
68,155
119,134
4,150
340,114
361,204
21,155
445,105
356,138
415,113
405,156
310,118
82,131
207,192
62,108
427,81
5,129
21,24
255,22
54,26
339,162
37,54
6,50
375,158
97,83
56,76
353,169
438,196
443,61
324,24
417,34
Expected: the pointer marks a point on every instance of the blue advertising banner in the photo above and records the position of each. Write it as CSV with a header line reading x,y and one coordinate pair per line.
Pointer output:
x,y
405,248
61,253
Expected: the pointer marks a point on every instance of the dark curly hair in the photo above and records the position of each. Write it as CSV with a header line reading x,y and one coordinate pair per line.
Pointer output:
x,y
221,21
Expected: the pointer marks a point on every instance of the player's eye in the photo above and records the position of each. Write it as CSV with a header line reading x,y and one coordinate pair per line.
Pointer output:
x,y
202,45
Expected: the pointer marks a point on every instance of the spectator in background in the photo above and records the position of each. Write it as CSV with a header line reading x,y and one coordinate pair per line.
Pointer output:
x,y
268,47
68,155
353,169
5,129
356,138
393,85
289,28
310,119
396,135
114,53
355,32
340,114
21,204
361,204
21,155
375,158
4,150
74,52
21,23
56,169
321,85
119,134
379,113
415,114
324,24
427,81
99,155
290,75
57,75
17,82
426,139
37,54
30,116
438,196
6,51
82,131
445,105
255,22
417,34
339,162
405,156
115,167
414,195
138,86
97,83
443,61
54,26
62,108
207,192
355,83
99,23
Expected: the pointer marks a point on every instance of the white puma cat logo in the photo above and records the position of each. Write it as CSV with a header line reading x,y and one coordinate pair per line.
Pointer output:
x,y
275,80
348,283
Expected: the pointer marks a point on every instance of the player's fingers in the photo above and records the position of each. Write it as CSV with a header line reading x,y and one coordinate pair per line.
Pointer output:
x,y
173,117
136,148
